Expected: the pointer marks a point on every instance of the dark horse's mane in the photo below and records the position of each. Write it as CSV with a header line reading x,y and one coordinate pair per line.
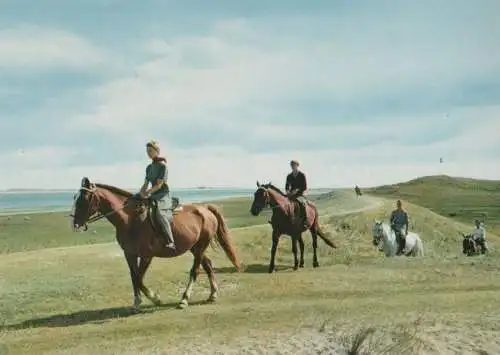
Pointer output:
x,y
115,190
272,187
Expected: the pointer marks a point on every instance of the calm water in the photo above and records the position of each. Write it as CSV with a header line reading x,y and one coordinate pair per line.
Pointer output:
x,y
11,203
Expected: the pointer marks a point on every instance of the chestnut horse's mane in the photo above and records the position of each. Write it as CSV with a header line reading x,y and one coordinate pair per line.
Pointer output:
x,y
115,190
272,187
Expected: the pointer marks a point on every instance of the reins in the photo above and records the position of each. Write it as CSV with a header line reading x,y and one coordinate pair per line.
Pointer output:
x,y
98,215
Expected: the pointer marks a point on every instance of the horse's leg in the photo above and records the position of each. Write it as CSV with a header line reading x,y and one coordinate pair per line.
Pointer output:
x,y
274,248
193,275
144,263
134,275
295,240
206,263
314,235
301,248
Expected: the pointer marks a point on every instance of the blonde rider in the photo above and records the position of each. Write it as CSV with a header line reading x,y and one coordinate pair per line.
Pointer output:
x,y
159,193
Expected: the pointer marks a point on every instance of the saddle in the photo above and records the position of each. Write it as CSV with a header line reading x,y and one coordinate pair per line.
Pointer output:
x,y
302,201
149,207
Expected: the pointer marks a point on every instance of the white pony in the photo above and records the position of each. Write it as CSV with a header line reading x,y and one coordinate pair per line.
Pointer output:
x,y
385,239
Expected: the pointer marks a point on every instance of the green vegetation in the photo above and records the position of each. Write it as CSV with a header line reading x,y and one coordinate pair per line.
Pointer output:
x,y
459,198
76,300
50,230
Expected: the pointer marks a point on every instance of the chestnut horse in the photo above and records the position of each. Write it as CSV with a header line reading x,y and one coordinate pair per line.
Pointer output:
x,y
194,229
286,219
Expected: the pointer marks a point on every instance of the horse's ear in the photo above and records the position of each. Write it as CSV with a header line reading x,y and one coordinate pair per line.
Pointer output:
x,y
258,183
86,183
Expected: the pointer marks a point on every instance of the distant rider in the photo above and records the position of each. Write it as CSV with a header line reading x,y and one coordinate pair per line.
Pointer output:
x,y
479,235
399,224
159,193
357,190
295,186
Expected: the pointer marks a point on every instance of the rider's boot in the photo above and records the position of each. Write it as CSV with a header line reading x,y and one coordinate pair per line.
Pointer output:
x,y
484,247
403,243
303,212
166,228
399,243
168,237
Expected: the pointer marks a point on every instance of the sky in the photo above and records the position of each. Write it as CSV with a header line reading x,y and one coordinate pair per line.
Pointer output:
x,y
365,94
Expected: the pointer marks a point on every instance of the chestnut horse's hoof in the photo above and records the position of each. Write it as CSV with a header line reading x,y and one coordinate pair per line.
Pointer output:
x,y
271,270
182,304
316,264
155,299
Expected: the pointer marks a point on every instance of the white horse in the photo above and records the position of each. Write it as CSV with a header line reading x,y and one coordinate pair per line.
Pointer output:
x,y
385,239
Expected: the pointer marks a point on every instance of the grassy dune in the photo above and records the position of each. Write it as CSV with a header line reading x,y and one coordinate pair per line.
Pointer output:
x,y
76,300
458,198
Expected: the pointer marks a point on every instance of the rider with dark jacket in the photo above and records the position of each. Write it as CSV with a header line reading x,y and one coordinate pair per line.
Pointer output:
x,y
295,186
399,224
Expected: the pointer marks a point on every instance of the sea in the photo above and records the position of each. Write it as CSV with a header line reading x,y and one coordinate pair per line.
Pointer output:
x,y
23,202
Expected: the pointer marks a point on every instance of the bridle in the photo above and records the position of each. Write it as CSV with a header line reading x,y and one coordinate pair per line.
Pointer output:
x,y
94,201
267,199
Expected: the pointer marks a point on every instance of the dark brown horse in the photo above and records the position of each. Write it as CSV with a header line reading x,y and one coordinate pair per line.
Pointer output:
x,y
286,219
194,228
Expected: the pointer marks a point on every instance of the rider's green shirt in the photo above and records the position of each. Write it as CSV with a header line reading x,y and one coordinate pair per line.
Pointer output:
x,y
155,171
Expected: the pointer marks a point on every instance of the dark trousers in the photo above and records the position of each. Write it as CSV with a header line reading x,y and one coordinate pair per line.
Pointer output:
x,y
302,215
400,238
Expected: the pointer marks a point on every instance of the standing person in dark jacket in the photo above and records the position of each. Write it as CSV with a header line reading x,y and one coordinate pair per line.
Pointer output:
x,y
296,185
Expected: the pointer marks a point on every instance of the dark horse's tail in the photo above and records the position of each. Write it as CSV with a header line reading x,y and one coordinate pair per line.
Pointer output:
x,y
223,239
323,235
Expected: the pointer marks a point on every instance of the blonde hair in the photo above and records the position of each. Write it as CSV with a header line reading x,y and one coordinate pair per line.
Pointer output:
x,y
153,144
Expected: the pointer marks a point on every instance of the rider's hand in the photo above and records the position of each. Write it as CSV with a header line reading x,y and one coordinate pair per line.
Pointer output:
x,y
144,194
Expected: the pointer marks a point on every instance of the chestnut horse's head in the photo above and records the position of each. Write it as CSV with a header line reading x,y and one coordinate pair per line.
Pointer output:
x,y
85,205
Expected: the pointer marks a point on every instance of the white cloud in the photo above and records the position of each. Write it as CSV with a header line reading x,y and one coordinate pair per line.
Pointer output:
x,y
38,158
222,76
28,47
231,166
246,71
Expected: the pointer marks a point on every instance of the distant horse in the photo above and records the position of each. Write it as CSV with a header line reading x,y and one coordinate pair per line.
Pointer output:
x,y
471,247
358,191
385,239
194,229
286,219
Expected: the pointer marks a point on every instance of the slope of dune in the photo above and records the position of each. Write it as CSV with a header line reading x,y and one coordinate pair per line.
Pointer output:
x,y
77,299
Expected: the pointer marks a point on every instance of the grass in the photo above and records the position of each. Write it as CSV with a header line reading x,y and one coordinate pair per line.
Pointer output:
x,y
49,230
458,198
76,300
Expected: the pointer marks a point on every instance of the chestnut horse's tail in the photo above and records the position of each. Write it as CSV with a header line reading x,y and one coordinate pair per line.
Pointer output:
x,y
223,239
323,235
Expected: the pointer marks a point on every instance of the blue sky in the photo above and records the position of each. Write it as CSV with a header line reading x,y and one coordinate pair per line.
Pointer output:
x,y
365,94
